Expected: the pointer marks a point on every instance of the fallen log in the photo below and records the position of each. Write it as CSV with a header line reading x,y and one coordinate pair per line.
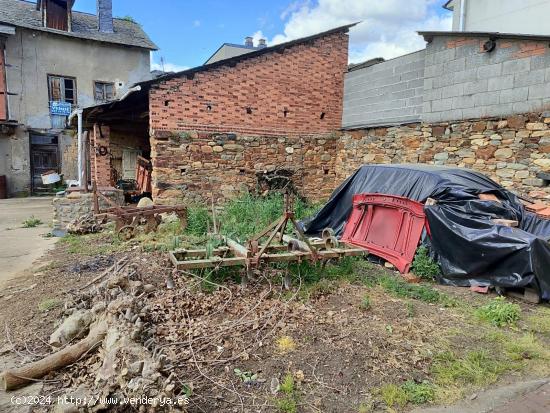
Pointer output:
x,y
19,377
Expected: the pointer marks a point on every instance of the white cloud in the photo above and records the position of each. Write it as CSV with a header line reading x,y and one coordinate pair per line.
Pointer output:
x,y
166,66
387,29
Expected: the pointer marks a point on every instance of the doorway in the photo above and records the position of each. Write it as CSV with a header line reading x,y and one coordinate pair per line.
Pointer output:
x,y
44,158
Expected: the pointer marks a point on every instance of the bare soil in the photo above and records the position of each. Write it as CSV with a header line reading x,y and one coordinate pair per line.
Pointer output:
x,y
341,352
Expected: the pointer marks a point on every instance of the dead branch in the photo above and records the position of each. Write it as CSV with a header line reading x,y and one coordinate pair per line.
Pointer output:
x,y
19,377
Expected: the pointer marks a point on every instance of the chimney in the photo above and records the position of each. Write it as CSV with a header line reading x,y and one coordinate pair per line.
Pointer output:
x,y
105,16
248,41
262,43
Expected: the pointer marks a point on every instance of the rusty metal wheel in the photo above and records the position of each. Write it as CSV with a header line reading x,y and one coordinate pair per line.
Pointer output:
x,y
126,233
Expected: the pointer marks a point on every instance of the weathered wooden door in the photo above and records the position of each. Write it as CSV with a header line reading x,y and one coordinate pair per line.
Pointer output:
x,y
3,89
129,163
44,158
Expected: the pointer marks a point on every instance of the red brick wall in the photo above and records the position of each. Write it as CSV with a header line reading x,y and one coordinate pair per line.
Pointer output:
x,y
100,164
306,81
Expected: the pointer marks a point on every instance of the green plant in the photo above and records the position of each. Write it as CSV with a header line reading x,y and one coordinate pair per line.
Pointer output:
x,y
499,312
365,302
289,402
424,266
198,221
419,393
31,222
393,395
245,376
477,367
48,304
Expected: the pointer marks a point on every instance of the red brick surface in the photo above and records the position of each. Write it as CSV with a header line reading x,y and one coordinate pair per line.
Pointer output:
x,y
298,91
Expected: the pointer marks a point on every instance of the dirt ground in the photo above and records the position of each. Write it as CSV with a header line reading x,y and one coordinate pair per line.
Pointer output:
x,y
338,346
21,246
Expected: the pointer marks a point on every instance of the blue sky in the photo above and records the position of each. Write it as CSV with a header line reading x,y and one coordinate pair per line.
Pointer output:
x,y
189,31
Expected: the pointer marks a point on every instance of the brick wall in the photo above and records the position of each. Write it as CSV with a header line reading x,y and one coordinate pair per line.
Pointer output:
x,y
191,166
100,164
298,91
512,150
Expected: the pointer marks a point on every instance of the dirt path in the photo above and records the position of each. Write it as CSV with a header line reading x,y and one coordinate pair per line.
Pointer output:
x,y
20,247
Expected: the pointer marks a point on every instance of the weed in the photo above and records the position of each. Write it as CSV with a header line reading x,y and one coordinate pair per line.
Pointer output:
x,y
285,344
424,266
365,302
475,367
366,407
92,244
499,312
246,377
289,402
198,221
31,222
393,395
48,304
419,393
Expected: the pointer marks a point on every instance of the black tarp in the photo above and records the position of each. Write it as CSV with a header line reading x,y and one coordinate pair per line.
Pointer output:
x,y
470,248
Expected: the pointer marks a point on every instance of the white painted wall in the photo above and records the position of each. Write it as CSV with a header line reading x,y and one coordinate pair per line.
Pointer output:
x,y
504,16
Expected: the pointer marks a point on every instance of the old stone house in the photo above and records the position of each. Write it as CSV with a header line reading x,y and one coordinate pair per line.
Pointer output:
x,y
215,129
52,61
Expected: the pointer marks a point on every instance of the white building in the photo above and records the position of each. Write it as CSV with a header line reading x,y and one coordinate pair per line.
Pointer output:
x,y
504,16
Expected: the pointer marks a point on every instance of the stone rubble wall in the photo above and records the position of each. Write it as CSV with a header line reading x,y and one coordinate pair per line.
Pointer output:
x,y
511,151
74,205
191,166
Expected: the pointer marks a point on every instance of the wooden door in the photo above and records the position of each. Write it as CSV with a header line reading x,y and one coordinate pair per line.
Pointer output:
x,y
3,89
129,163
44,158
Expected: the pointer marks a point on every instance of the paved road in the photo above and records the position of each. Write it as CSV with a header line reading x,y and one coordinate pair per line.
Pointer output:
x,y
19,247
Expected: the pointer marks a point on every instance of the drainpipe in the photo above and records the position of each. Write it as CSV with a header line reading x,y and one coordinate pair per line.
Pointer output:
x,y
462,15
80,160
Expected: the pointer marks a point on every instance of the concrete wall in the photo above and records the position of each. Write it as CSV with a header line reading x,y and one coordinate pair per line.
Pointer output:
x,y
504,16
386,93
464,82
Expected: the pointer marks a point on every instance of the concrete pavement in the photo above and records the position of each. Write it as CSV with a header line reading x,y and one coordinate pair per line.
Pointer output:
x,y
20,247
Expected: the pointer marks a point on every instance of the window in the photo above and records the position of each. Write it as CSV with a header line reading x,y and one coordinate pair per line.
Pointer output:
x,y
62,89
104,91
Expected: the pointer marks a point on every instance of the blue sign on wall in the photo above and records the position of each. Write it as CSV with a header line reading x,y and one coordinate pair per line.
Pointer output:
x,y
60,108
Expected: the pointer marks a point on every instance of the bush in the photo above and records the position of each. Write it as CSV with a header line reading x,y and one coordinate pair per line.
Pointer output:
x,y
424,266
499,312
419,393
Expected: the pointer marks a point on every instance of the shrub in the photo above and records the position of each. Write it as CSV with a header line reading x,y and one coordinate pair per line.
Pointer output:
x,y
419,393
365,303
424,266
499,312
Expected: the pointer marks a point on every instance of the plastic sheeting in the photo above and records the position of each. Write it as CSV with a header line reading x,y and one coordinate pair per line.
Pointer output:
x,y
470,248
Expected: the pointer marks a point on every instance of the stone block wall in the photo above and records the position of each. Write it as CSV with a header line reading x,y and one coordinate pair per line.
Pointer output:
x,y
385,93
512,150
192,166
462,81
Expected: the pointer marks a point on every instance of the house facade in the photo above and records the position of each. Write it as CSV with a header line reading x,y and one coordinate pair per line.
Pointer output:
x,y
228,50
53,61
504,16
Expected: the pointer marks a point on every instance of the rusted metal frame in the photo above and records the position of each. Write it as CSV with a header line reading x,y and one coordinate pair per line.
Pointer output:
x,y
200,252
280,227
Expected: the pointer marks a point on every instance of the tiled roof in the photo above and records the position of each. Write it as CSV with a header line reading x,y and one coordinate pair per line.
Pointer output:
x,y
21,13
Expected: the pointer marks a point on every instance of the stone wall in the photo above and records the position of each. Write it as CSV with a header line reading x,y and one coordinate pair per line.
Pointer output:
x,y
512,151
68,208
191,166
